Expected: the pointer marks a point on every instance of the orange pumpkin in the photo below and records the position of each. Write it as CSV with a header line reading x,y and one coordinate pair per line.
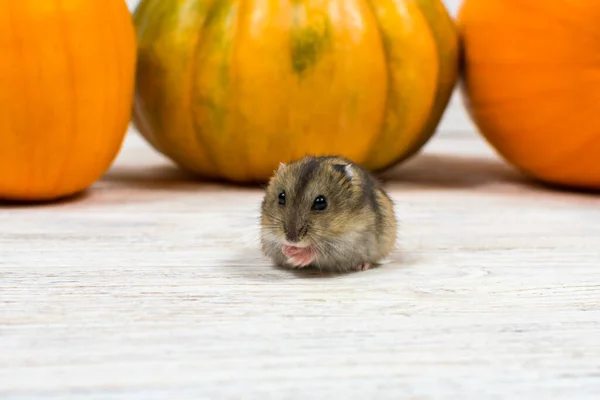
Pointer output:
x,y
67,71
229,89
531,77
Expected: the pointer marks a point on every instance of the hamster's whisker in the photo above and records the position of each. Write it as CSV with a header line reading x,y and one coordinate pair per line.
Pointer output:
x,y
272,222
272,226
275,219
318,265
317,243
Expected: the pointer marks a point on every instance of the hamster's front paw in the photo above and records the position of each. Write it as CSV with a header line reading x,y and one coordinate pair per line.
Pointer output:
x,y
363,267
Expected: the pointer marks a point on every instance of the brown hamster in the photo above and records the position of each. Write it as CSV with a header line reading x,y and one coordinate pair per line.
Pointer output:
x,y
326,212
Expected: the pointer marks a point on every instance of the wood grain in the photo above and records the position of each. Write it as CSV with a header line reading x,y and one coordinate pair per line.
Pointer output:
x,y
152,286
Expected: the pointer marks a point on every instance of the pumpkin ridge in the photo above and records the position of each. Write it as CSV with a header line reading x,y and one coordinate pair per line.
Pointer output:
x,y
388,90
208,106
70,77
20,49
209,163
233,66
404,117
152,119
191,87
141,13
447,73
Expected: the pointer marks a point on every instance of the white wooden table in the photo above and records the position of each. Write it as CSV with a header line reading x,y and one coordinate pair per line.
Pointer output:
x,y
152,286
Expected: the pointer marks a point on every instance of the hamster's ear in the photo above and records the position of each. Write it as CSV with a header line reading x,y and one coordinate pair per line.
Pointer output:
x,y
281,167
345,169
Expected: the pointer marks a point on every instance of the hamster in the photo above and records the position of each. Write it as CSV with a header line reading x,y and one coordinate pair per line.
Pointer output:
x,y
327,212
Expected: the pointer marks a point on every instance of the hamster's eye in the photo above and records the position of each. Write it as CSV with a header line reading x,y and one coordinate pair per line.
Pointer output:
x,y
320,203
281,198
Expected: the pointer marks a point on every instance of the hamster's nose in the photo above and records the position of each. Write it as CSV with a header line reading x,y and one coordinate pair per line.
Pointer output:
x,y
291,232
291,235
